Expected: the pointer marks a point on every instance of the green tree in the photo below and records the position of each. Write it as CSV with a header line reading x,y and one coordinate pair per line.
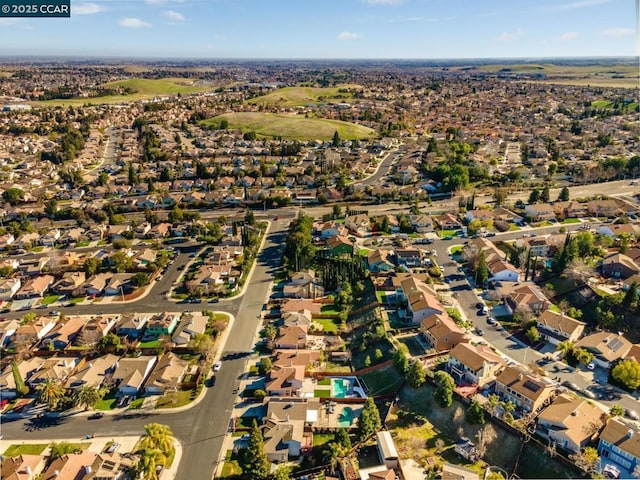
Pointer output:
x,y
627,372
336,139
150,459
482,270
109,343
283,472
500,196
583,356
88,396
587,459
201,343
534,196
13,196
565,348
564,195
533,334
475,413
270,332
493,475
255,464
249,217
416,375
337,211
176,215
445,385
121,262
140,279
545,195
631,296
401,358
265,365
51,392
617,411
369,421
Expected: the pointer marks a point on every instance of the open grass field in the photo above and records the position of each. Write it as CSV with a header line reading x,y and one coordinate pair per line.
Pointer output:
x,y
300,96
621,75
26,449
144,89
291,127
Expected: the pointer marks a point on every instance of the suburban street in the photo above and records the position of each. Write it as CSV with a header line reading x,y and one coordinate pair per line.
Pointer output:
x,y
202,428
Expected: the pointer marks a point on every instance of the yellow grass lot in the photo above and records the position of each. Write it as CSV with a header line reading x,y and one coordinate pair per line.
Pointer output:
x,y
300,96
144,89
291,127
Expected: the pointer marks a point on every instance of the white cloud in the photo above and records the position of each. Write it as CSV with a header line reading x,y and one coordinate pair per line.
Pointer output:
x,y
175,16
162,2
510,36
132,22
568,36
617,32
348,36
579,4
86,8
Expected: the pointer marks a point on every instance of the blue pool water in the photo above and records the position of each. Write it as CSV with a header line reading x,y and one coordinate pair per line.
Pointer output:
x,y
340,387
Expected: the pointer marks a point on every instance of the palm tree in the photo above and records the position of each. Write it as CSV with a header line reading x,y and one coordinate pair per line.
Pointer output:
x,y
149,460
565,348
51,392
157,436
88,396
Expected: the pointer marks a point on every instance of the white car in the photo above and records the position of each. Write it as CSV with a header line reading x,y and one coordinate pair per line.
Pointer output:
x,y
217,366
591,366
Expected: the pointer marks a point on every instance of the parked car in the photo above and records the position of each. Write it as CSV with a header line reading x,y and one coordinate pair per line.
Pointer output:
x,y
588,394
214,300
113,447
217,366
96,416
632,414
491,321
479,331
591,366
571,386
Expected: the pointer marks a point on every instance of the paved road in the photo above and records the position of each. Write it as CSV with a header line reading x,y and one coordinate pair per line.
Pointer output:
x,y
200,429
377,178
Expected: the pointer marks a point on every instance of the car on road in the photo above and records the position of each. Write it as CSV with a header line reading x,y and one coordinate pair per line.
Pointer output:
x,y
479,305
570,386
217,366
632,414
588,394
591,366
214,300
96,416
54,313
479,331
448,237
491,321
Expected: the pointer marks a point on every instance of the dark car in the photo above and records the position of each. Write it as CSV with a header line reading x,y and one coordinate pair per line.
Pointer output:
x,y
96,416
571,386
214,300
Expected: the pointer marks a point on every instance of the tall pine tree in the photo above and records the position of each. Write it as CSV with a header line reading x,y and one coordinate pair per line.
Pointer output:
x,y
255,463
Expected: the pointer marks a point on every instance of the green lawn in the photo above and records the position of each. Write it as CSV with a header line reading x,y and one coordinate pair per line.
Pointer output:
x,y
49,299
325,382
322,393
554,308
329,309
290,127
136,404
322,438
177,399
83,244
363,252
328,325
231,467
457,250
447,233
383,381
150,344
513,227
108,402
300,96
26,449
571,220
37,249
76,300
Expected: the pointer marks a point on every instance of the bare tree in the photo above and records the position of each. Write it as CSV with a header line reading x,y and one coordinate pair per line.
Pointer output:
x,y
579,271
485,436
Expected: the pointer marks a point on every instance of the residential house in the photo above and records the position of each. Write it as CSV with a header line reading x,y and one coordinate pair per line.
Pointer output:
x,y
22,467
525,296
570,422
288,425
64,333
30,333
285,381
558,327
54,368
631,230
69,283
299,305
96,328
378,261
291,337
606,346
132,325
131,373
72,466
441,332
481,215
166,375
539,212
339,246
8,288
603,208
504,215
7,329
192,324
94,285
118,284
525,390
359,225
291,358
474,365
456,472
6,240
303,285
620,444
421,299
408,257
162,324
26,368
447,221
160,230
332,229
143,259
303,319
421,223
50,238
499,268
619,265
35,287
570,209
94,372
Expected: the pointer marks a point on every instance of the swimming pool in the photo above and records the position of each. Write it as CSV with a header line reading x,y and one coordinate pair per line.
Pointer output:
x,y
345,419
340,387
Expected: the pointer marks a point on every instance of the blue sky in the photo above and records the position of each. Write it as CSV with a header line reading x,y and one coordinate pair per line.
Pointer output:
x,y
330,29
